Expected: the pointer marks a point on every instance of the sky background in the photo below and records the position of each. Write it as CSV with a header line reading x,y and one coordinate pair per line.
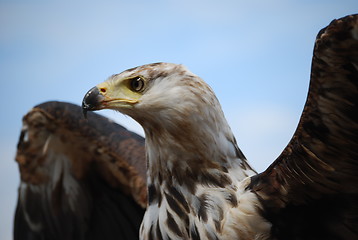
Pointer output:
x,y
256,55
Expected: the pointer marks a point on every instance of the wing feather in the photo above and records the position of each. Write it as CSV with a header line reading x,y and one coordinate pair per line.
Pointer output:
x,y
312,187
80,179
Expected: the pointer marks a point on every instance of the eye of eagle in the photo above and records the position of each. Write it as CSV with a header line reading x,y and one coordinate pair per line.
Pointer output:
x,y
137,84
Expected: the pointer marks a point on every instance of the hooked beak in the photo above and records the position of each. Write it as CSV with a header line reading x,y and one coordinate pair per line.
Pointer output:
x,y
92,101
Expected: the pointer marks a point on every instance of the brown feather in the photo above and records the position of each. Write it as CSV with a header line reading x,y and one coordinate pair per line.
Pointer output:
x,y
104,177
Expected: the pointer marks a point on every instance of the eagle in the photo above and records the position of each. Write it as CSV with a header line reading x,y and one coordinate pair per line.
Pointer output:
x,y
90,178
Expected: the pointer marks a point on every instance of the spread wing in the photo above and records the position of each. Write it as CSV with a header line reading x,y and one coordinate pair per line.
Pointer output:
x,y
311,190
80,179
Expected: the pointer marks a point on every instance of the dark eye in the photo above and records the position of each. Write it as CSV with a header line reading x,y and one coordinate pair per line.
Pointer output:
x,y
137,84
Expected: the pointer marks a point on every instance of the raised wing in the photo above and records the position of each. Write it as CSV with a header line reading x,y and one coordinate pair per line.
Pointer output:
x,y
311,190
80,179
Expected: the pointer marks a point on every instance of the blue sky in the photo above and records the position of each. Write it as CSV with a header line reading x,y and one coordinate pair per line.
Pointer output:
x,y
256,55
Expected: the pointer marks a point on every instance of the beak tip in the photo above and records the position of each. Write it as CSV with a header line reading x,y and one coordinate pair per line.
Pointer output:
x,y
91,101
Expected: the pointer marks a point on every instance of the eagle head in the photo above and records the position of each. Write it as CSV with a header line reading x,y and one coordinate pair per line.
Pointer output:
x,y
159,95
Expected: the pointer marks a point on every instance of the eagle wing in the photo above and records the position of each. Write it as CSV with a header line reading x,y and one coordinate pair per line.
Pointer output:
x,y
80,179
311,190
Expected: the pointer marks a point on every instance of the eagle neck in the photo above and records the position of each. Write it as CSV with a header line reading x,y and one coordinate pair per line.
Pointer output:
x,y
195,158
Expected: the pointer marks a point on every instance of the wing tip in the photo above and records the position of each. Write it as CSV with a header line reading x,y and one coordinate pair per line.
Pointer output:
x,y
340,29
